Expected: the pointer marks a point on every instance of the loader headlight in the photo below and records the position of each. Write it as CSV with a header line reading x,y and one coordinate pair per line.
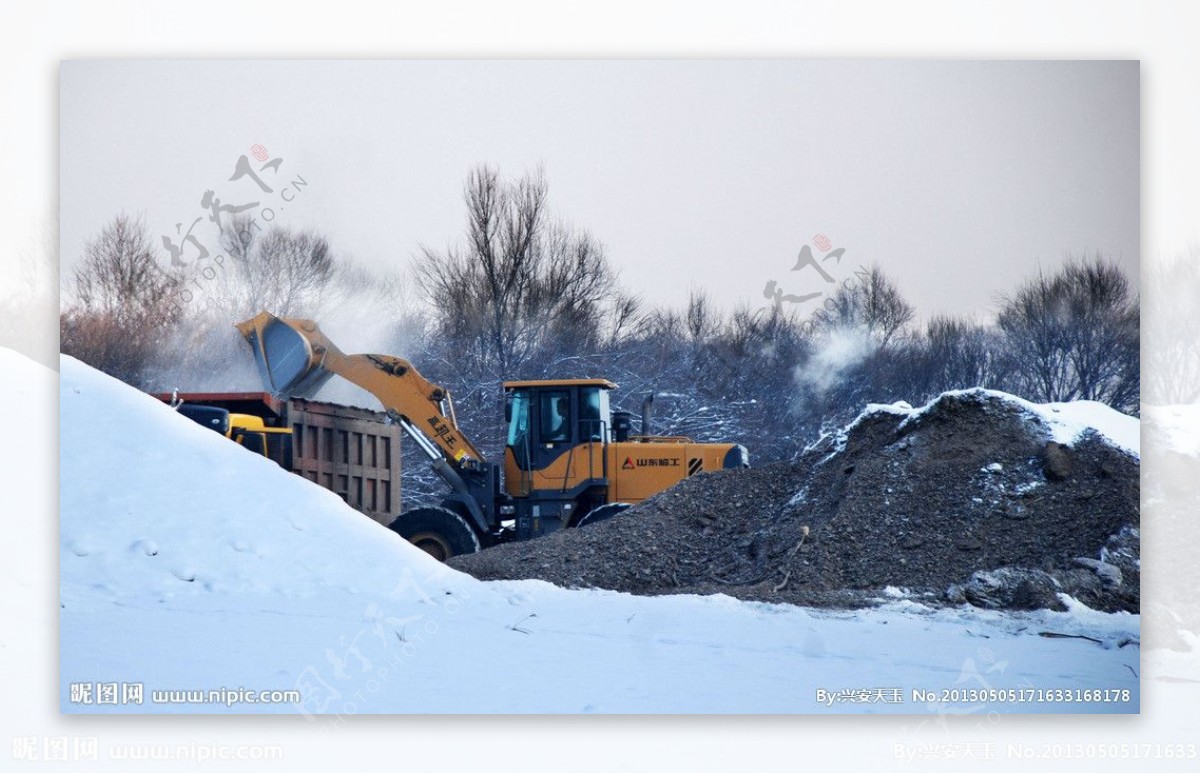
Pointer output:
x,y
737,457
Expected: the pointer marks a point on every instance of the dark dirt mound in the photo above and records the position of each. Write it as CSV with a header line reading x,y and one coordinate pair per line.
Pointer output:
x,y
968,500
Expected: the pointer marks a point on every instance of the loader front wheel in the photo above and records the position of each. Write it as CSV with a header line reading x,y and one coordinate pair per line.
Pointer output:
x,y
436,531
602,513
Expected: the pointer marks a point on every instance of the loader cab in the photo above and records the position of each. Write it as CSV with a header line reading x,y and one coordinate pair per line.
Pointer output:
x,y
547,418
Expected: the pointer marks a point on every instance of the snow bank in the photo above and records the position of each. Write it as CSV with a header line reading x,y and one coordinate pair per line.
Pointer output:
x,y
1071,421
28,482
1066,423
1175,428
156,507
188,563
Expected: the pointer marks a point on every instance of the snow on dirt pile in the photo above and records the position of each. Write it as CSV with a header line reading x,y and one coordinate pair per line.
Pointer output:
x,y
978,497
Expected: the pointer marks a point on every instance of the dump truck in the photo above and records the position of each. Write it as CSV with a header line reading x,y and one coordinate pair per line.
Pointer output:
x,y
351,451
569,459
247,430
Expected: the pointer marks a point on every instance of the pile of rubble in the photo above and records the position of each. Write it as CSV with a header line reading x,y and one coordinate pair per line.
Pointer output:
x,y
976,498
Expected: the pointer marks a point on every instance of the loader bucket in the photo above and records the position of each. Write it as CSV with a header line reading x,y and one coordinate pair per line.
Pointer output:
x,y
289,361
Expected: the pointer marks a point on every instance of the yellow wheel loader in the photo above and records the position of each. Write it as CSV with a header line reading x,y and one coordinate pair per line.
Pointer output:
x,y
569,459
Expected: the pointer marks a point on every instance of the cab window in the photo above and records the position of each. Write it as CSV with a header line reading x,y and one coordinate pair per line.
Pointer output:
x,y
255,442
554,414
593,413
518,418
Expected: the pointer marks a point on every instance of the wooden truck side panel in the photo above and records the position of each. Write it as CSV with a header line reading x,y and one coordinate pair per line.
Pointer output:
x,y
349,451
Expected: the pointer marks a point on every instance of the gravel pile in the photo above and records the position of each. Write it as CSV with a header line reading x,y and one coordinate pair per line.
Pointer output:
x,y
968,500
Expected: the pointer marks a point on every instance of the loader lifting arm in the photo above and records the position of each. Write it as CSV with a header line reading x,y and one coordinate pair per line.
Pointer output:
x,y
295,359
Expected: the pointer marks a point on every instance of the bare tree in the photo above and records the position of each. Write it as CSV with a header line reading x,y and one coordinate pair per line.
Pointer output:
x,y
283,270
1074,334
521,282
701,316
1173,330
28,282
625,313
122,305
870,302
118,276
959,354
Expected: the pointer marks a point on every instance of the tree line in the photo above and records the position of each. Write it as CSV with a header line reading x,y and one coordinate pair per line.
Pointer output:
x,y
526,295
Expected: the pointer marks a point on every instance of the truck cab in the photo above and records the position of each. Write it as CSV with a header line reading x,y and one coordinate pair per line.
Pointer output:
x,y
246,430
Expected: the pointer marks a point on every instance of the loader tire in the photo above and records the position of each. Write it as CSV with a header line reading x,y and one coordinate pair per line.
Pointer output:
x,y
602,513
437,531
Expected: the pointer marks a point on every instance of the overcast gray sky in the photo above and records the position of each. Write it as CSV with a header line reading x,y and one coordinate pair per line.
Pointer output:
x,y
959,178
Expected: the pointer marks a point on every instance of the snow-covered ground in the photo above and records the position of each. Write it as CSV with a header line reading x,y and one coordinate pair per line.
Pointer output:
x,y
188,563
1175,428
